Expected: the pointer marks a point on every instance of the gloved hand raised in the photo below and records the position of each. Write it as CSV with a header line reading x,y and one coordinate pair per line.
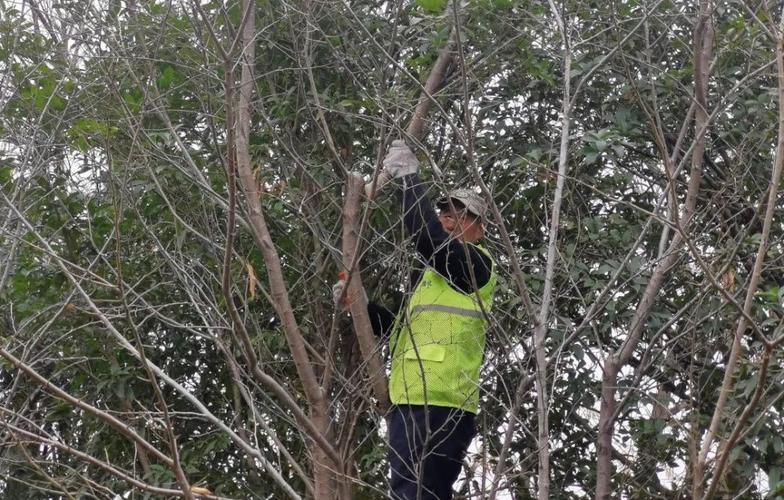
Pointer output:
x,y
338,293
340,298
400,161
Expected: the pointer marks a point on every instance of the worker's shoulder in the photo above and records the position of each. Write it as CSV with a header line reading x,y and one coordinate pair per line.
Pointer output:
x,y
482,251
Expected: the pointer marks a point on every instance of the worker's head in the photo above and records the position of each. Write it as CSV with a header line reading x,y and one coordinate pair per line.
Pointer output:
x,y
462,213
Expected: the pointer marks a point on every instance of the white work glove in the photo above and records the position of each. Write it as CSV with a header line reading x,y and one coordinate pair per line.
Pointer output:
x,y
338,289
343,302
400,161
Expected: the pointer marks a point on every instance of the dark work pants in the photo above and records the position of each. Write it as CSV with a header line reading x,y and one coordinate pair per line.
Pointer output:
x,y
427,462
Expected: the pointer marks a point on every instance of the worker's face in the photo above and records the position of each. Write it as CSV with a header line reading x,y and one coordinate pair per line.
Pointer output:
x,y
460,224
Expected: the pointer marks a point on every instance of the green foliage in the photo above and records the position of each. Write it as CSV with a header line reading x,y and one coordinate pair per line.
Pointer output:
x,y
106,140
432,6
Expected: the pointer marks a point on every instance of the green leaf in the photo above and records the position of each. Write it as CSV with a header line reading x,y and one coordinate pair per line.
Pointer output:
x,y
778,445
432,6
168,76
6,174
774,480
591,155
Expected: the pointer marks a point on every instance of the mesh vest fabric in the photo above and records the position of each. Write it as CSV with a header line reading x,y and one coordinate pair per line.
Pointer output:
x,y
440,343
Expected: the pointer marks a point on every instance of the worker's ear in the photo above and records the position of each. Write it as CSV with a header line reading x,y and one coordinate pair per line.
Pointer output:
x,y
477,230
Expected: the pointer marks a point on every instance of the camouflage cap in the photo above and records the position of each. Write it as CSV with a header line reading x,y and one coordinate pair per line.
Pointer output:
x,y
471,200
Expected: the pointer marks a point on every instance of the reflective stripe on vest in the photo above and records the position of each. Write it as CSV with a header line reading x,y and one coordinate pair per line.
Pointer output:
x,y
473,313
439,344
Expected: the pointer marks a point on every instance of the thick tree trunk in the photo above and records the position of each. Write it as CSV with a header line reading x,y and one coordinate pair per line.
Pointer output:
x,y
613,364
355,292
699,468
615,361
605,432
325,461
324,468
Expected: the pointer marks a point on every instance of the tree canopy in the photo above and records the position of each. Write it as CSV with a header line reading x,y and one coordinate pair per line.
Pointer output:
x,y
172,184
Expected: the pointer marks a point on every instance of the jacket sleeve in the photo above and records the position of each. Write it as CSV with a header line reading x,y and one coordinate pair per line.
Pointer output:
x,y
381,319
451,258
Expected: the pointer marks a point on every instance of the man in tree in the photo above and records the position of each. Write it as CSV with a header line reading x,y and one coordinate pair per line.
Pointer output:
x,y
438,338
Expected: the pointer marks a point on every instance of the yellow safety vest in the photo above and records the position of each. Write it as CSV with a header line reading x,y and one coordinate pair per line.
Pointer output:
x,y
438,350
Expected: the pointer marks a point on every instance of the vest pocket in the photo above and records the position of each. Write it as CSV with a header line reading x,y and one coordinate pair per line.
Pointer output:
x,y
431,352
